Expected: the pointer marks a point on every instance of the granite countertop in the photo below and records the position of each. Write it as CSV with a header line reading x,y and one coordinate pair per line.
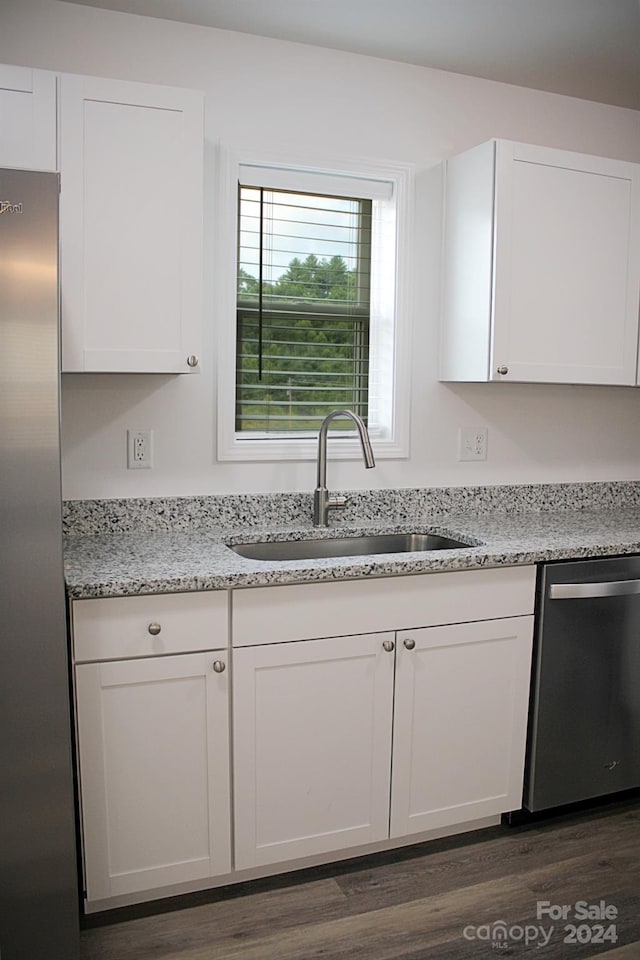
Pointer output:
x,y
135,557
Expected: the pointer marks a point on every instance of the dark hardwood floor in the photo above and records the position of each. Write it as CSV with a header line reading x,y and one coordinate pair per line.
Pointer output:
x,y
438,901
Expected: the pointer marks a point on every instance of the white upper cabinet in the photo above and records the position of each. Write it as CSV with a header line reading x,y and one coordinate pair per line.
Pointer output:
x,y
541,273
27,118
131,164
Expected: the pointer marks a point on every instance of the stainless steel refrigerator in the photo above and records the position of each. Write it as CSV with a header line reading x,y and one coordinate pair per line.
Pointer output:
x,y
38,867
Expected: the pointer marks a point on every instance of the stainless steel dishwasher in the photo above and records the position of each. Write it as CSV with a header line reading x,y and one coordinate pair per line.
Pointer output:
x,y
584,724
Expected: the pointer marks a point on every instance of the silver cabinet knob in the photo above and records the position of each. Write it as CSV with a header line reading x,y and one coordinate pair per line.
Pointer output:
x,y
503,371
219,666
192,360
154,629
388,645
409,643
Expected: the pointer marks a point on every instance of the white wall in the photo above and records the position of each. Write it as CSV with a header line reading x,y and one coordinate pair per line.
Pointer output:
x,y
282,96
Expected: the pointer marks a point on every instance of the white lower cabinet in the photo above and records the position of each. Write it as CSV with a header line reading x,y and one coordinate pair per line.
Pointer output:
x,y
152,727
339,742
153,752
317,722
460,723
312,735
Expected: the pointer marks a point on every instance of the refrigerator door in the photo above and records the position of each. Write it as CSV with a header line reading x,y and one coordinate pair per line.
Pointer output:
x,y
38,865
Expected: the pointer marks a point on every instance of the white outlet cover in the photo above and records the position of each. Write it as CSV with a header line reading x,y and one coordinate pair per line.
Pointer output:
x,y
472,443
139,449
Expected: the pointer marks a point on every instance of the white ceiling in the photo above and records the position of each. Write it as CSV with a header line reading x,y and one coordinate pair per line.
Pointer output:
x,y
583,48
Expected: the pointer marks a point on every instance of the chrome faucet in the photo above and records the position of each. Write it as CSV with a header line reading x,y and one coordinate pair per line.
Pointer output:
x,y
322,500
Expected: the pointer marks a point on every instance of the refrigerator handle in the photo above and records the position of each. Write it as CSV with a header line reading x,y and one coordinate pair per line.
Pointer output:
x,y
581,591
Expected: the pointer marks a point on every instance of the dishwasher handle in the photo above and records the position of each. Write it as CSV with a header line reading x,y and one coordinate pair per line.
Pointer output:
x,y
582,591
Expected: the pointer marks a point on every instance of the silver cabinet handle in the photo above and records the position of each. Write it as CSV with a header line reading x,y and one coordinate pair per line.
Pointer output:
x,y
388,645
503,371
154,629
581,591
409,643
192,360
219,666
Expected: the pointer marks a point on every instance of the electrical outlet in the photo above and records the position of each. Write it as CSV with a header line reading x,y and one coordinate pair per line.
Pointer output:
x,y
472,443
139,449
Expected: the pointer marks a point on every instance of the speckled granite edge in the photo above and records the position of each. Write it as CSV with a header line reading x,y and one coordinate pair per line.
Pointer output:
x,y
126,563
95,517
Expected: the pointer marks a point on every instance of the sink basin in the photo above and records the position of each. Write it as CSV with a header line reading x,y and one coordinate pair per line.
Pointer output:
x,y
345,546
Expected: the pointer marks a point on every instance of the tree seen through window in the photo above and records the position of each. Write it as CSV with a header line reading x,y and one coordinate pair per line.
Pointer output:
x,y
302,310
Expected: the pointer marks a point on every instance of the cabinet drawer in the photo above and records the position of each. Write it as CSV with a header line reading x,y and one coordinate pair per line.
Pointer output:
x,y
120,627
307,611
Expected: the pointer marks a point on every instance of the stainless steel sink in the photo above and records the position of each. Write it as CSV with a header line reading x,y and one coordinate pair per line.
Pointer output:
x,y
346,546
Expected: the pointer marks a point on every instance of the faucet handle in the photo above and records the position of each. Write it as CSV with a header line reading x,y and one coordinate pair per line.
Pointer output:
x,y
322,503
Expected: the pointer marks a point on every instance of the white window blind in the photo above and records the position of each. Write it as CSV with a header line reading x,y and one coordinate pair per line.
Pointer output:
x,y
303,301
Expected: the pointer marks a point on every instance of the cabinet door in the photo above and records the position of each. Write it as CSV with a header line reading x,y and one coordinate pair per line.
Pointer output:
x,y
567,267
312,746
130,226
462,695
154,772
27,118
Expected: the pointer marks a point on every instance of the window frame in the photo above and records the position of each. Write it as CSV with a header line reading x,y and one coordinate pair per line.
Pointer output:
x,y
395,443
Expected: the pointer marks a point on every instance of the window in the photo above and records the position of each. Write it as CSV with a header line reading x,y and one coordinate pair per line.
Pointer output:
x,y
317,296
303,288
